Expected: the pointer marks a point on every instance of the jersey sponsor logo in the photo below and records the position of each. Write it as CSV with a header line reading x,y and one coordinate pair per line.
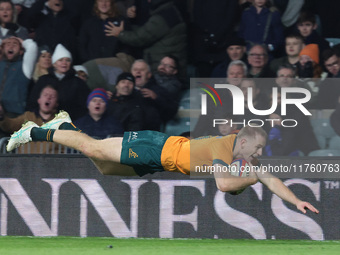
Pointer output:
x,y
134,135
132,154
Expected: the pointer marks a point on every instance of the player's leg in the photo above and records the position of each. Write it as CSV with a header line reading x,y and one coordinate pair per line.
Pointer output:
x,y
107,150
105,154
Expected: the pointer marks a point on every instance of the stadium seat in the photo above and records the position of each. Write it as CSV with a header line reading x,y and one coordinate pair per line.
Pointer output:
x,y
3,143
322,142
190,99
323,127
324,153
323,131
334,143
184,102
179,125
333,41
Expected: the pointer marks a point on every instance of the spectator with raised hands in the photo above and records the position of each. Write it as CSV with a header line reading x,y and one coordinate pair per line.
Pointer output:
x,y
16,68
157,103
164,33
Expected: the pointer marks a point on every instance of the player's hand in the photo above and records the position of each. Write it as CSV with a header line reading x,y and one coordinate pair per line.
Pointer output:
x,y
302,206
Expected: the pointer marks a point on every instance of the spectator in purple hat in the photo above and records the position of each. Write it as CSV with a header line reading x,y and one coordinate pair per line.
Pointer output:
x,y
98,123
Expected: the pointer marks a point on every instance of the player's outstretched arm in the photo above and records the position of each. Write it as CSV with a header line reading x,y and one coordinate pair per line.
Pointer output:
x,y
226,182
276,186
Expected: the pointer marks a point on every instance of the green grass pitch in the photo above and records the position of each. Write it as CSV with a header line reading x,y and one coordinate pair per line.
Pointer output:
x,y
97,246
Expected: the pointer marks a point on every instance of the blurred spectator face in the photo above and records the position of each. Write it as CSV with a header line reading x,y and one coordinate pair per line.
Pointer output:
x,y
236,52
306,28
259,3
45,60
62,65
55,5
249,84
235,75
293,46
141,73
278,101
333,65
97,107
285,77
6,12
104,6
124,88
167,66
276,119
226,129
11,48
48,100
18,8
257,57
304,59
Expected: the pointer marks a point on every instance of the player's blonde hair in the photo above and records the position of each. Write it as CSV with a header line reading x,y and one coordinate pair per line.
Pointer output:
x,y
252,131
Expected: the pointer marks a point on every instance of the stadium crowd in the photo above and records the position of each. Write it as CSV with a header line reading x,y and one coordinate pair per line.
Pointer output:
x,y
123,65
